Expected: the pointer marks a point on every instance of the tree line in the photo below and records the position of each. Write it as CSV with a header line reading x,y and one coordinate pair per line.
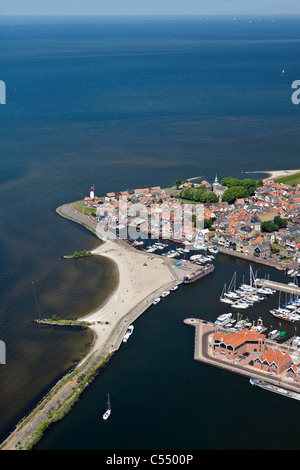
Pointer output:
x,y
199,194
236,189
239,189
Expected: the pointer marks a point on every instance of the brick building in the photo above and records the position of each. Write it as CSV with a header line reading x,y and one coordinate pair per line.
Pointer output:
x,y
232,345
274,362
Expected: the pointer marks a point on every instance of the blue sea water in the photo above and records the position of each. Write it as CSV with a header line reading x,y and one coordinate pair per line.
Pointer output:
x,y
121,103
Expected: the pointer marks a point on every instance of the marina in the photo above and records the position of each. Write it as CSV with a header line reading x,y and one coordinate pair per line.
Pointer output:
x,y
245,295
243,363
278,286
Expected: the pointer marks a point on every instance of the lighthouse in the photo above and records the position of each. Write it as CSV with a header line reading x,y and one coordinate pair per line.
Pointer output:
x,y
92,193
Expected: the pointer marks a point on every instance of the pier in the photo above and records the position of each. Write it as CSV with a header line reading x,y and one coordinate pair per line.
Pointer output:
x,y
278,286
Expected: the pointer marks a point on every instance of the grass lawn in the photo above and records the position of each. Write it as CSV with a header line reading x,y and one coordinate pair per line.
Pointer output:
x,y
188,201
291,180
85,209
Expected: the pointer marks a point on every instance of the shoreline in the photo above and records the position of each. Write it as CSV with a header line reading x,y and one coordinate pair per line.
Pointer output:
x,y
141,278
274,174
136,287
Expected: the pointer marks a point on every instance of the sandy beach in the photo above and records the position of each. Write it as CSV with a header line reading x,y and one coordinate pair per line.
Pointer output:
x,y
141,278
273,174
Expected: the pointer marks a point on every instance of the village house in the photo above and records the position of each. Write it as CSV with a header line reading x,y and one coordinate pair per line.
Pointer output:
x,y
261,249
242,246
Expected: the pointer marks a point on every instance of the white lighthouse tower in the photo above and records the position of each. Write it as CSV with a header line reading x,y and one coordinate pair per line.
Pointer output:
x,y
92,193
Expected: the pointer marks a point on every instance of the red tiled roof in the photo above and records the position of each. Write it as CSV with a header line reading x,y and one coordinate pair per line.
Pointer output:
x,y
235,339
276,357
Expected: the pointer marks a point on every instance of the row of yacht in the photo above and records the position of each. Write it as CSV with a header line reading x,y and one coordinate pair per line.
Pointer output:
x,y
165,293
156,247
245,296
290,312
229,322
293,273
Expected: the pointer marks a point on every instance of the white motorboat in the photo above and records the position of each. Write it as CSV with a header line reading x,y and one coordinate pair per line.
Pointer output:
x,y
223,319
128,333
107,413
165,293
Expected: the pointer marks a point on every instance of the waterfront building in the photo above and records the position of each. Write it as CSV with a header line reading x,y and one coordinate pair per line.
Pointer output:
x,y
273,362
232,345
293,372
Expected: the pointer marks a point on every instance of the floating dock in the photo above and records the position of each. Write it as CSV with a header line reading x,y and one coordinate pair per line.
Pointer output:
x,y
278,286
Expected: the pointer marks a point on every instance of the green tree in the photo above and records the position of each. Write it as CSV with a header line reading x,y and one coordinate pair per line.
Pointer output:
x,y
281,223
211,197
234,193
208,223
230,182
269,226
178,182
250,185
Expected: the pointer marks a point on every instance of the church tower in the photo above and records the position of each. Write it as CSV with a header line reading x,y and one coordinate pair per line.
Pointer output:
x,y
216,182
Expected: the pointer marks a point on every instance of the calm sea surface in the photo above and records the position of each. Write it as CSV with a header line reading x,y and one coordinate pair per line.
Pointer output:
x,y
124,103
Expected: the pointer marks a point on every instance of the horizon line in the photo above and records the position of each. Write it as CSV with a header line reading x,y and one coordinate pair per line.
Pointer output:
x,y
148,14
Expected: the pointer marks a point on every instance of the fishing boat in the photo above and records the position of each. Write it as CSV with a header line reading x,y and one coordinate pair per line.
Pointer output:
x,y
107,413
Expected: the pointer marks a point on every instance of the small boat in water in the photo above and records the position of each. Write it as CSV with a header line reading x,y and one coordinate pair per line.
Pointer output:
x,y
107,413
273,334
223,319
165,293
155,302
280,336
128,333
